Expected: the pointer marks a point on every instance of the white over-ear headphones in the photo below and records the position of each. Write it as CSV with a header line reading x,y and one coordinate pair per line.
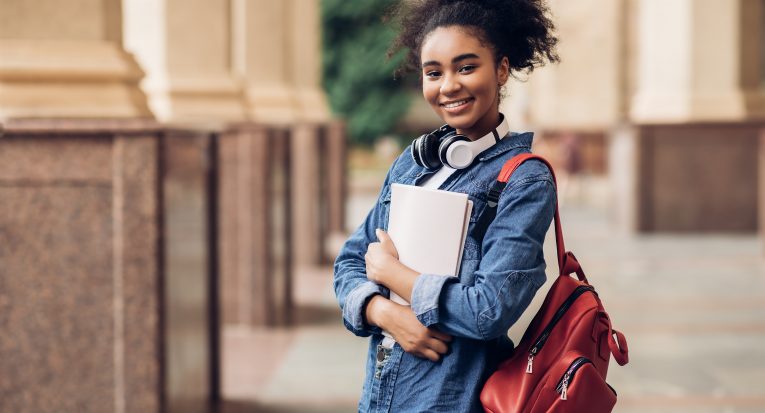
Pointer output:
x,y
444,146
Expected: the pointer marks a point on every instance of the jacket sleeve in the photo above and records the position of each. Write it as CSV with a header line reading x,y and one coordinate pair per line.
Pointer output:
x,y
510,272
352,288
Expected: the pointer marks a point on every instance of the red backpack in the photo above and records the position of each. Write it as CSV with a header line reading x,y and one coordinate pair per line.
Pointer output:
x,y
560,364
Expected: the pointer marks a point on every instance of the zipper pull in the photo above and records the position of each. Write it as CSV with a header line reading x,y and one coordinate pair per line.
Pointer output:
x,y
564,388
531,362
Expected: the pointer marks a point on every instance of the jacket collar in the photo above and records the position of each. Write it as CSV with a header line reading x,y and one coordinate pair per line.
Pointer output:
x,y
513,141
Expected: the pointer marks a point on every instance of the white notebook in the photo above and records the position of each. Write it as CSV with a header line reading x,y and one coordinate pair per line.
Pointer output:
x,y
428,228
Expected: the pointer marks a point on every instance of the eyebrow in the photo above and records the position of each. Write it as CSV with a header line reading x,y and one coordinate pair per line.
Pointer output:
x,y
456,59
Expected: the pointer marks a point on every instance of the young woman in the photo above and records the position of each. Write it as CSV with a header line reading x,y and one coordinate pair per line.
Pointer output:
x,y
437,353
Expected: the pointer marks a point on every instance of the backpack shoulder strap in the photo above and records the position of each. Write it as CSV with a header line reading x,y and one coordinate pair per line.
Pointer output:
x,y
567,263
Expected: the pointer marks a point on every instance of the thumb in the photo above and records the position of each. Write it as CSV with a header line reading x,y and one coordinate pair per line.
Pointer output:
x,y
385,240
382,236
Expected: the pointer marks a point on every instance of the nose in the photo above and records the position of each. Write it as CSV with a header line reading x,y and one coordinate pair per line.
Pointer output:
x,y
450,85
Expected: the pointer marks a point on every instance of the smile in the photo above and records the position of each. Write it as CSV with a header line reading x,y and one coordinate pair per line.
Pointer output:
x,y
458,106
455,104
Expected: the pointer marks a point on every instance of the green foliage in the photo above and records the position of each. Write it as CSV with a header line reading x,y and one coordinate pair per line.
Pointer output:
x,y
358,76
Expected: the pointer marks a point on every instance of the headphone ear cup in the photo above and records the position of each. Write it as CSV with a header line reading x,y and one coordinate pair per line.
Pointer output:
x,y
418,150
415,151
427,150
444,147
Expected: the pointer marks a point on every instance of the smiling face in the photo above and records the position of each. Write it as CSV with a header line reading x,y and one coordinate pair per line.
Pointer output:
x,y
461,80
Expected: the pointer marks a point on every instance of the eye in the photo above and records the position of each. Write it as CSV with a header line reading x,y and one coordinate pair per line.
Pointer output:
x,y
467,68
432,74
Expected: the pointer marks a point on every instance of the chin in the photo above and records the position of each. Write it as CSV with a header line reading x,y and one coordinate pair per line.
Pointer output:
x,y
459,122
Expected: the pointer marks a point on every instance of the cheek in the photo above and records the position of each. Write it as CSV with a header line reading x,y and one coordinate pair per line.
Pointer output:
x,y
486,89
430,92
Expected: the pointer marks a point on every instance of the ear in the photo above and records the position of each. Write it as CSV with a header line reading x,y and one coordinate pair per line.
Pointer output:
x,y
503,70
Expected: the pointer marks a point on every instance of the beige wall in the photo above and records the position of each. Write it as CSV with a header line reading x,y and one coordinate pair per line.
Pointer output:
x,y
584,91
204,61
78,20
649,61
229,60
65,59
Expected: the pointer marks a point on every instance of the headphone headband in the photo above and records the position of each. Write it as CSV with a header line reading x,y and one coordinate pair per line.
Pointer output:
x,y
444,146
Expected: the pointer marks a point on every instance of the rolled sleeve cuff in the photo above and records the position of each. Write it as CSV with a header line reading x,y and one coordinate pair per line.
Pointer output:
x,y
425,296
355,303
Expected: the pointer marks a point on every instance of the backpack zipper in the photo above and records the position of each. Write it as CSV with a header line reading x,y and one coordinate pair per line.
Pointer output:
x,y
558,315
564,382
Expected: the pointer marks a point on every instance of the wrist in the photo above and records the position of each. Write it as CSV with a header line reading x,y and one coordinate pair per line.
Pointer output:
x,y
375,310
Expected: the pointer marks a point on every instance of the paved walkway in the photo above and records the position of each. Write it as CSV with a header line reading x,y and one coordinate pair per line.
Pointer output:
x,y
692,308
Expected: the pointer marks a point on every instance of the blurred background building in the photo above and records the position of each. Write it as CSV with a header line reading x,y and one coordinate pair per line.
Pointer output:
x,y
174,183
166,166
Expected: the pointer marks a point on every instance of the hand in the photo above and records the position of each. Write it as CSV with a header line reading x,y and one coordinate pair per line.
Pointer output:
x,y
381,258
406,329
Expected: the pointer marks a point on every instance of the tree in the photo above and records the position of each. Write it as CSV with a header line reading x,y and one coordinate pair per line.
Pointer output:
x,y
358,76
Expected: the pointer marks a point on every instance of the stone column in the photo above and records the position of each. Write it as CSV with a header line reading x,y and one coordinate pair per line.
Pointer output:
x,y
262,56
190,301
308,186
254,226
66,60
304,65
572,105
335,178
80,280
583,92
186,49
698,61
697,99
307,242
270,176
106,234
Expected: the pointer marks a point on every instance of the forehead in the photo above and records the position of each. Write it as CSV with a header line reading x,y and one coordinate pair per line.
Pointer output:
x,y
444,43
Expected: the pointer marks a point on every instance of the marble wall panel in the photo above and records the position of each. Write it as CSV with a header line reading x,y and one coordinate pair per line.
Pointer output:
x,y
307,243
334,171
56,158
137,274
57,347
698,178
254,222
230,288
79,272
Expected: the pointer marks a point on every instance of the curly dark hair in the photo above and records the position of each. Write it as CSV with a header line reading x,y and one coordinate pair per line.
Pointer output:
x,y
517,29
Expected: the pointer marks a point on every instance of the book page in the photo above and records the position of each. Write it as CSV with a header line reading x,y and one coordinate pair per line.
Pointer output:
x,y
428,228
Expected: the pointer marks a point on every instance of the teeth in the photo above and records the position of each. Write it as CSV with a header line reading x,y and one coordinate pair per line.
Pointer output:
x,y
455,104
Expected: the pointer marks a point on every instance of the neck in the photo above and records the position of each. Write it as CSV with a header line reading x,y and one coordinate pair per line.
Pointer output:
x,y
482,126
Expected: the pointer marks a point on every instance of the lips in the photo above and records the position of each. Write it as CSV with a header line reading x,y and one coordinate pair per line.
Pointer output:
x,y
454,106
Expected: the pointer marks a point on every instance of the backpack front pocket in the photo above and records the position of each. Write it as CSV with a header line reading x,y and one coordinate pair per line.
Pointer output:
x,y
574,386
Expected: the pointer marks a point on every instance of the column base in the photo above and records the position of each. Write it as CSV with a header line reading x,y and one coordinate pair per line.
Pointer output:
x,y
272,105
198,100
69,79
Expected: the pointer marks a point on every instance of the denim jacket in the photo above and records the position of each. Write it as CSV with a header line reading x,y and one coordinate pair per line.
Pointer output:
x,y
497,280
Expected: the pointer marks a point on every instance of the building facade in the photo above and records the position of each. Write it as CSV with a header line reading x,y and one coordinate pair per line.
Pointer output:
x,y
166,165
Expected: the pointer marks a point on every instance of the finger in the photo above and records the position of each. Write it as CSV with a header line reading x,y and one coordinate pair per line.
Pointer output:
x,y
382,236
438,346
439,335
430,355
386,242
